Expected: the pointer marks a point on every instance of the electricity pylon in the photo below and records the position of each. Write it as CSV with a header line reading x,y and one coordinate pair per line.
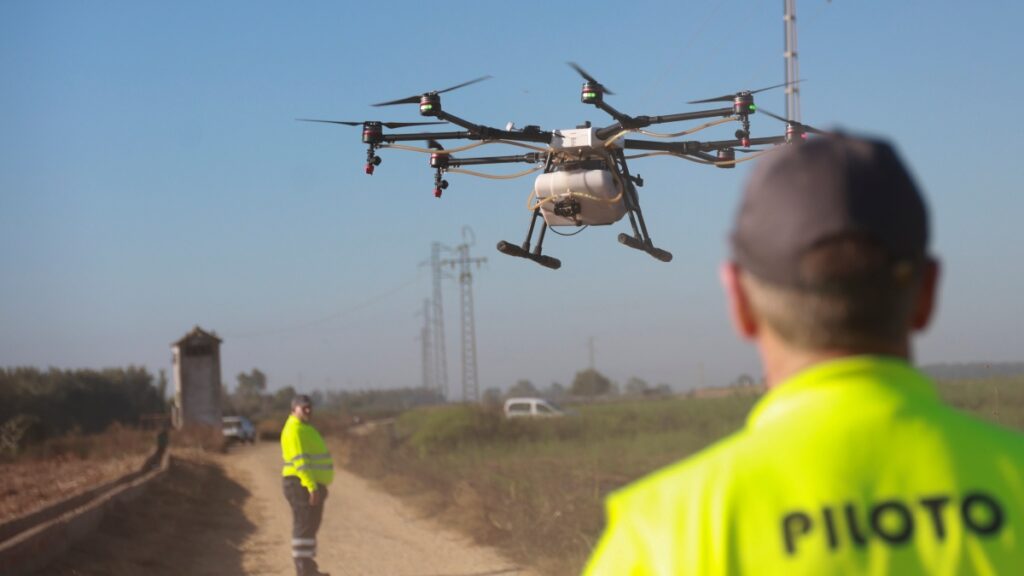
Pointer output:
x,y
438,356
792,62
464,262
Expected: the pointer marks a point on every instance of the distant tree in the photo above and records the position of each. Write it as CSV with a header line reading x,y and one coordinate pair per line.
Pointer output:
x,y
161,384
636,386
556,391
590,382
662,389
252,384
523,388
743,381
492,397
318,398
281,401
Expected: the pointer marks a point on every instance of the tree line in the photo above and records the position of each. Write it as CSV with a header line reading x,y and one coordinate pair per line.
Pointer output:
x,y
36,404
588,383
250,398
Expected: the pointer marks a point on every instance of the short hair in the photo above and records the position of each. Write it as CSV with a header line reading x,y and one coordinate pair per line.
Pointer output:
x,y
852,296
301,400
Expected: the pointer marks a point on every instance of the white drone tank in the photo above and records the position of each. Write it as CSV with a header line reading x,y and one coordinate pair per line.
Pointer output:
x,y
579,197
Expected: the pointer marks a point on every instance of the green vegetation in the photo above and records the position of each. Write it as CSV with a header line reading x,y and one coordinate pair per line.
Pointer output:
x,y
536,487
36,405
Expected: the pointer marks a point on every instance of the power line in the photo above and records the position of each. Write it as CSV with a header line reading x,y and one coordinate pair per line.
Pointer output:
x,y
379,296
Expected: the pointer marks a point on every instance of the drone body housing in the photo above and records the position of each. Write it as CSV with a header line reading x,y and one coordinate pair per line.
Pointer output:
x,y
578,197
582,189
580,140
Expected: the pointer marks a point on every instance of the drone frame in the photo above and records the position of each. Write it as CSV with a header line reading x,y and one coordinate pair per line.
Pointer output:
x,y
721,153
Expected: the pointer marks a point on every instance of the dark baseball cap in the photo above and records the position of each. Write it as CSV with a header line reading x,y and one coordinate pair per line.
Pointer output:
x,y
827,188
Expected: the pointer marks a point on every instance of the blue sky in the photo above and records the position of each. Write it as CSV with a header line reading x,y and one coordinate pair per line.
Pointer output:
x,y
152,177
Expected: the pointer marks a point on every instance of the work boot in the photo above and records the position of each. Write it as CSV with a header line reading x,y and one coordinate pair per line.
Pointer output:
x,y
308,567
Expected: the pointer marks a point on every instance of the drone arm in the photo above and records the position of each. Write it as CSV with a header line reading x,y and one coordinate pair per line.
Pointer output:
x,y
695,147
722,144
644,121
685,147
705,156
716,113
481,132
412,137
622,119
531,158
474,128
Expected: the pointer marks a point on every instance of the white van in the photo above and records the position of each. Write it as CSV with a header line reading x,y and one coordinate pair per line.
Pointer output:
x,y
531,408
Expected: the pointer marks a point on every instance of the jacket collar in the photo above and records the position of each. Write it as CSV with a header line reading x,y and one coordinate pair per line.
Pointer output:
x,y
893,377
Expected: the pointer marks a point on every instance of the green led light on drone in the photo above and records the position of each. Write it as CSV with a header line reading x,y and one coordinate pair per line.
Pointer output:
x,y
427,107
589,94
753,108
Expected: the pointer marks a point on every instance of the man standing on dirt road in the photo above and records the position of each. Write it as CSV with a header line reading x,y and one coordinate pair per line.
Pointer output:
x,y
308,470
850,464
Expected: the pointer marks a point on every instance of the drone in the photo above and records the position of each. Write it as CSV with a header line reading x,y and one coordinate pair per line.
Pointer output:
x,y
584,179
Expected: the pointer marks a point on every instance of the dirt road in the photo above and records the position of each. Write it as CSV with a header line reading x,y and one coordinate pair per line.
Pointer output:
x,y
226,515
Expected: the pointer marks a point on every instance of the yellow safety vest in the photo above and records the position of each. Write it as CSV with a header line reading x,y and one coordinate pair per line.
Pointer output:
x,y
853,466
305,454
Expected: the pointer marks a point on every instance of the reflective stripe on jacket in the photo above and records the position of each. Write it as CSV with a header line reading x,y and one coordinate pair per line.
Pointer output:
x,y
853,466
305,454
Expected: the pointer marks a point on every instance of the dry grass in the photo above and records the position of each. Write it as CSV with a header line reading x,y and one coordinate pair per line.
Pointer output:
x,y
116,442
536,488
63,467
190,522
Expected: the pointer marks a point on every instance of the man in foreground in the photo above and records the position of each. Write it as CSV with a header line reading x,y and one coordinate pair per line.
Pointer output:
x,y
850,464
308,470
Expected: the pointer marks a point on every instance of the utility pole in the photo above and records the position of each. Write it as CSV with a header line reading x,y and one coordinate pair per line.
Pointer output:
x,y
427,349
792,62
590,347
470,382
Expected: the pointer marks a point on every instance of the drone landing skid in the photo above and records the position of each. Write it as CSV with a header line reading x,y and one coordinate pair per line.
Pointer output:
x,y
510,249
637,244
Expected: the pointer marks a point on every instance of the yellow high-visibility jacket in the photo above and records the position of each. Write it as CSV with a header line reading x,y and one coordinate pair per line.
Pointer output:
x,y
853,466
305,454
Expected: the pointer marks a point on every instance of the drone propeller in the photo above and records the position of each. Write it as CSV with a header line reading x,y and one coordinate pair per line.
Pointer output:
x,y
800,125
579,70
416,99
731,97
385,124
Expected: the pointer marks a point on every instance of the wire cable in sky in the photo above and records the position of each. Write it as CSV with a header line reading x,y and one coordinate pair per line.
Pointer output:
x,y
379,296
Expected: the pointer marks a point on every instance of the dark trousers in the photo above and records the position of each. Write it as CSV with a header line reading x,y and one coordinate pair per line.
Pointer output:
x,y
305,523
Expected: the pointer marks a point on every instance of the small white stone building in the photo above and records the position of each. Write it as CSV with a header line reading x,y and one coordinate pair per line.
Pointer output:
x,y
197,383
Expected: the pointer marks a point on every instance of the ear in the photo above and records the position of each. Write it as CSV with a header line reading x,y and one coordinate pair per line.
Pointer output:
x,y
926,296
740,311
